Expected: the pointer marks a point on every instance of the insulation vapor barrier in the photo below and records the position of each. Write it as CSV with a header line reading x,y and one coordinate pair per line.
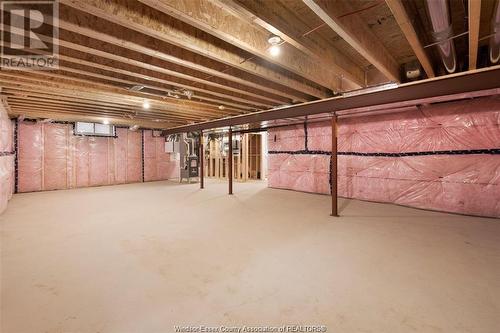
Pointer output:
x,y
443,157
51,158
157,163
6,159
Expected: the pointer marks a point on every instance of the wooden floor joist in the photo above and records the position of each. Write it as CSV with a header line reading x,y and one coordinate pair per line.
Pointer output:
x,y
202,61
222,23
454,85
158,25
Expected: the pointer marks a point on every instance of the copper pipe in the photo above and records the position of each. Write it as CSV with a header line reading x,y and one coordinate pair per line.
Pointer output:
x,y
362,9
313,30
344,15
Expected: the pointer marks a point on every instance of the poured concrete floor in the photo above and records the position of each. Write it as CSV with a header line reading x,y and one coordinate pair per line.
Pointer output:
x,y
146,257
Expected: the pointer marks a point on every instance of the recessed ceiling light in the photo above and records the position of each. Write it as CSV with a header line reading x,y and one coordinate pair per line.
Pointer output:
x,y
221,107
146,105
105,122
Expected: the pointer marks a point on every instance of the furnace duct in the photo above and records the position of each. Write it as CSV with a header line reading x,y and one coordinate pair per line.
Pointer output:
x,y
442,32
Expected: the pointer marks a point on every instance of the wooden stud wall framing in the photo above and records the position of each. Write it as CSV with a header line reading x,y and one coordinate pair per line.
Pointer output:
x,y
246,161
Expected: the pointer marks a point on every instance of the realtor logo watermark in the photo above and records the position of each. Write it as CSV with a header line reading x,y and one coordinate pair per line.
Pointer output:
x,y
30,35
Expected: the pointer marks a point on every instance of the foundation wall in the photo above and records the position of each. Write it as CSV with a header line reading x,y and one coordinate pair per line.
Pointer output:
x,y
157,163
7,157
442,157
52,158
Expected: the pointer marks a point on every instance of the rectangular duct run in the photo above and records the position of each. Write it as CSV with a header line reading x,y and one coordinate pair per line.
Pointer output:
x,y
7,156
443,157
52,158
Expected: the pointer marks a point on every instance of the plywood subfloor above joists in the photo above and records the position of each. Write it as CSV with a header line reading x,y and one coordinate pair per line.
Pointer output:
x,y
166,29
201,60
39,92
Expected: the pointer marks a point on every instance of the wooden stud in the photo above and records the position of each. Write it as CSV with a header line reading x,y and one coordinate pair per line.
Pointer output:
x,y
398,10
263,15
223,24
146,20
474,21
357,34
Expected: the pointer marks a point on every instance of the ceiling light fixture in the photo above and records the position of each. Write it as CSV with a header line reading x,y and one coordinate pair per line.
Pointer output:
x,y
105,122
136,88
172,94
146,105
221,107
275,42
275,50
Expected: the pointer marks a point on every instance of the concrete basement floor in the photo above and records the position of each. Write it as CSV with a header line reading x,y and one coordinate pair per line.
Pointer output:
x,y
146,257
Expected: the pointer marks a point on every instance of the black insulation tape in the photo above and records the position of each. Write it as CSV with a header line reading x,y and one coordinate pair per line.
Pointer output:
x,y
142,154
16,158
16,144
305,136
494,151
306,151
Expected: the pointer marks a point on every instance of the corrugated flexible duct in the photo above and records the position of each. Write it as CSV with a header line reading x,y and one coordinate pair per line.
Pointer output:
x,y
442,32
495,38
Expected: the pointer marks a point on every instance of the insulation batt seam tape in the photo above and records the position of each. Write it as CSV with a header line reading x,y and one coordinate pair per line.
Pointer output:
x,y
443,157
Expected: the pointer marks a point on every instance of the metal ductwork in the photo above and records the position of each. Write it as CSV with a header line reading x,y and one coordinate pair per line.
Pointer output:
x,y
442,32
495,38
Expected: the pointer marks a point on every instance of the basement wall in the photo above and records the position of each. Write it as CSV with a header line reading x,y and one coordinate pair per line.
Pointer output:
x,y
443,157
157,163
7,156
52,158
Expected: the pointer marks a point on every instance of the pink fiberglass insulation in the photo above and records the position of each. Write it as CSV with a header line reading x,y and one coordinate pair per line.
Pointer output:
x,y
6,159
289,138
134,157
308,173
157,163
51,157
441,157
91,161
121,156
30,156
6,180
6,132
55,156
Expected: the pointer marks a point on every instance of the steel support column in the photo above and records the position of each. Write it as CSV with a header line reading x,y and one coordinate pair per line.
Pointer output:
x,y
230,161
202,161
333,174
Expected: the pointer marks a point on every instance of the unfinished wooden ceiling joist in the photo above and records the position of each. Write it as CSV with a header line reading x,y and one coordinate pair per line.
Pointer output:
x,y
201,60
435,90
